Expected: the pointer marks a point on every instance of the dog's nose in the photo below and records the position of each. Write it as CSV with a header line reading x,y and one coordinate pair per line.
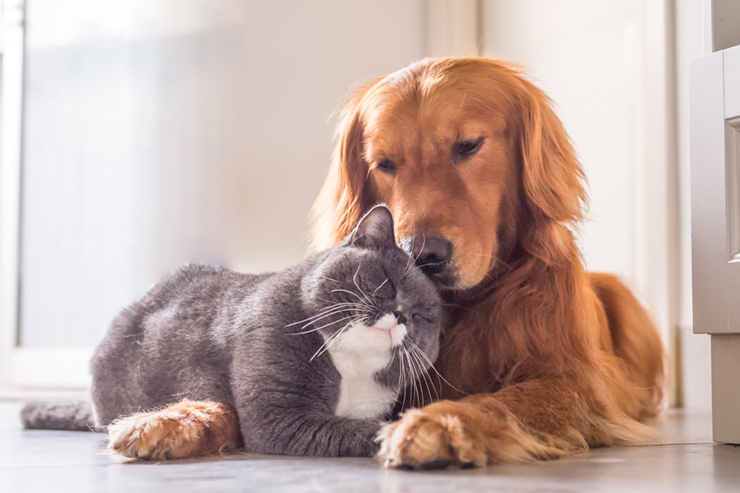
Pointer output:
x,y
431,255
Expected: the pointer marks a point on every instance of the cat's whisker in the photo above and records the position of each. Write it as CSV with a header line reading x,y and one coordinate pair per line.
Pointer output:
x,y
325,347
341,343
409,376
401,376
376,289
432,367
328,342
352,293
354,279
414,381
323,326
362,320
413,264
402,369
428,383
424,383
326,312
323,316
365,320
436,388
343,303
351,308
406,377
331,310
337,338
411,255
352,304
419,380
398,386
439,375
330,278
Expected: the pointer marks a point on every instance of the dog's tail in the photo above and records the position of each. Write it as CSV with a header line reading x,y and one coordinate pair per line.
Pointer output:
x,y
636,341
69,415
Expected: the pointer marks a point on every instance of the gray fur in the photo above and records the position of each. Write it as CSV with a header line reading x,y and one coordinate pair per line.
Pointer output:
x,y
208,333
72,416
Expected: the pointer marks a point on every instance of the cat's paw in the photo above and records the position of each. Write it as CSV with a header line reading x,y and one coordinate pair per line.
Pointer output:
x,y
186,429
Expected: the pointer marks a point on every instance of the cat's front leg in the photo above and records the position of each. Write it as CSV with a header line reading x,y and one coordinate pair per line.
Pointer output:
x,y
182,430
313,434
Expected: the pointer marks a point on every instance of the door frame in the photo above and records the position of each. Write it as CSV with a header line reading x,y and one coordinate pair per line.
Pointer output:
x,y
10,181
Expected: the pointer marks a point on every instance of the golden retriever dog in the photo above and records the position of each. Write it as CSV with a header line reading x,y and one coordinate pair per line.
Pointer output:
x,y
539,358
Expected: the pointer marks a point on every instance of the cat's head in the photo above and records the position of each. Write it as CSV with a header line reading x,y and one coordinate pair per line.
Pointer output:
x,y
367,296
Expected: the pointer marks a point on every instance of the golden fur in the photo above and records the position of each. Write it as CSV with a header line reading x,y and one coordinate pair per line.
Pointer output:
x,y
543,358
182,430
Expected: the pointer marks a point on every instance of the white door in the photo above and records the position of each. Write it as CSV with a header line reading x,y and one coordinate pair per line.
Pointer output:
x,y
715,207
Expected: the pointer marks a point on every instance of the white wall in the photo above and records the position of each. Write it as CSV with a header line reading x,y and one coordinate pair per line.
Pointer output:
x,y
164,132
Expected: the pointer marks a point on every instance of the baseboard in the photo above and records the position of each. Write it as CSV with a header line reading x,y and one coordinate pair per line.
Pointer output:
x,y
51,368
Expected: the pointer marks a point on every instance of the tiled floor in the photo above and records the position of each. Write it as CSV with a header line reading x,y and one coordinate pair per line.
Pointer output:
x,y
72,461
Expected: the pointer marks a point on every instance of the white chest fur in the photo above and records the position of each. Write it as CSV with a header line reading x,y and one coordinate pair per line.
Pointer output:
x,y
358,354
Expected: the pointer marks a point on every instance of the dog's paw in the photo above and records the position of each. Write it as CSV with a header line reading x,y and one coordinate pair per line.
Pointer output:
x,y
186,429
426,439
461,433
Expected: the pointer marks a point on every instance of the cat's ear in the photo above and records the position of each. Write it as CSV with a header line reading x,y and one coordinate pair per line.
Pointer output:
x,y
375,229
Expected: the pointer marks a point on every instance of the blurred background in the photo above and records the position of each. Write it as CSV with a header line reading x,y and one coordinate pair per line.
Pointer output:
x,y
138,135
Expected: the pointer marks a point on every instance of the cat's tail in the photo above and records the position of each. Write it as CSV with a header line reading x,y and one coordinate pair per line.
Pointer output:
x,y
69,415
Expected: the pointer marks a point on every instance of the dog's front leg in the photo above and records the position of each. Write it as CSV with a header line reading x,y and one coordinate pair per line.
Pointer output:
x,y
182,430
537,419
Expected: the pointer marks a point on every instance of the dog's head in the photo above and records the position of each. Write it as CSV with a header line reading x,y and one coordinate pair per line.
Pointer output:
x,y
471,160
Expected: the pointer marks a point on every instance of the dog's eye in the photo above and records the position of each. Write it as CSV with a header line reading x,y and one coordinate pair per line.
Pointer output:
x,y
466,148
386,165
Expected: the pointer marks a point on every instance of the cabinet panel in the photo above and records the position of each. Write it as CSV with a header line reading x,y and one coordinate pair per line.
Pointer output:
x,y
732,169
708,204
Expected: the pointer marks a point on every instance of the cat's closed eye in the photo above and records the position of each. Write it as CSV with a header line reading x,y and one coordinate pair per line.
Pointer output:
x,y
418,316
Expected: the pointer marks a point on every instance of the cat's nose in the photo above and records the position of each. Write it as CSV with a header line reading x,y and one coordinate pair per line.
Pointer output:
x,y
431,255
400,318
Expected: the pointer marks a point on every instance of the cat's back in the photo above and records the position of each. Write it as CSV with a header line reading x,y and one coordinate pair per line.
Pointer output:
x,y
190,296
179,330
202,280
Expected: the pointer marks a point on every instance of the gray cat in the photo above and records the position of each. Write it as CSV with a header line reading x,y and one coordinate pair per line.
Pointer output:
x,y
312,358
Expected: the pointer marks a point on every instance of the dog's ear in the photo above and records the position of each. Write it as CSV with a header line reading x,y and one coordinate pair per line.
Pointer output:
x,y
552,176
375,229
344,196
